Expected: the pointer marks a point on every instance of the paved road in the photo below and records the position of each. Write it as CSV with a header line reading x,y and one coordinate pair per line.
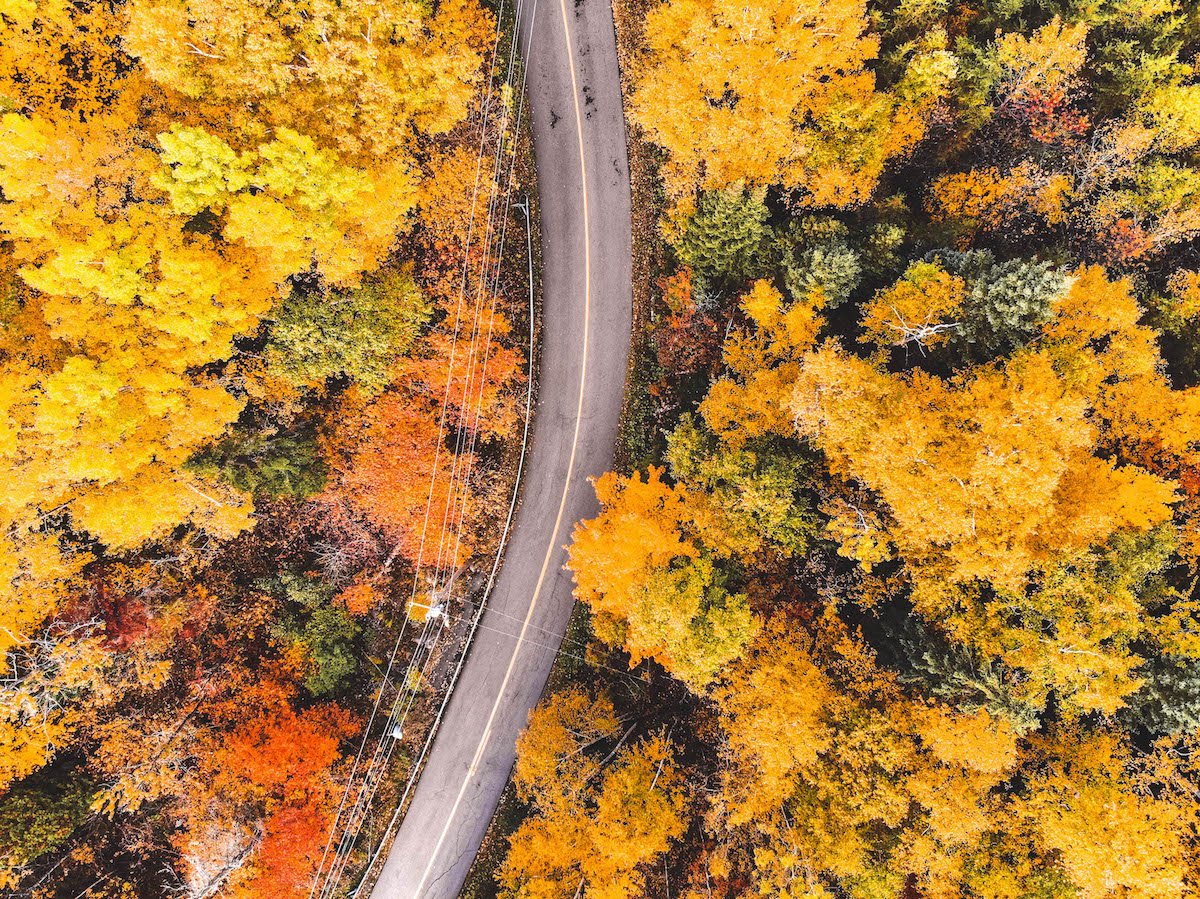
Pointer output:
x,y
583,178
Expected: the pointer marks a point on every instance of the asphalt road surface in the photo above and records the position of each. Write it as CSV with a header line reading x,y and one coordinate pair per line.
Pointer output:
x,y
574,95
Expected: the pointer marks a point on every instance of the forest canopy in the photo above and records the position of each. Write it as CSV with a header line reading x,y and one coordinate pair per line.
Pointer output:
x,y
238,375
905,570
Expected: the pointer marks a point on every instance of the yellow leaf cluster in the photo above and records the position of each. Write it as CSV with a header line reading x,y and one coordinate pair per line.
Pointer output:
x,y
596,824
1048,60
751,400
775,93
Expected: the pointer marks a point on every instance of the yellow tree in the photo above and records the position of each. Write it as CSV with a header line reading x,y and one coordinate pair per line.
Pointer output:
x,y
36,715
63,59
651,583
1004,491
597,822
132,306
921,308
117,309
639,812
1096,339
824,752
362,80
751,400
1072,631
776,93
988,500
685,618
773,708
296,206
552,765
637,531
1114,835
1045,62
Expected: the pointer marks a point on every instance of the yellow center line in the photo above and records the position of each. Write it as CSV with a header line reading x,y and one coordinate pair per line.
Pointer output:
x,y
562,505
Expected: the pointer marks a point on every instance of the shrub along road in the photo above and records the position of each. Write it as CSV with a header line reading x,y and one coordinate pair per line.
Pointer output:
x,y
583,178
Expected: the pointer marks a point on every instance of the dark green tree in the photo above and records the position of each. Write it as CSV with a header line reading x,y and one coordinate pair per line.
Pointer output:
x,y
953,672
356,334
1006,302
266,463
1169,700
329,635
37,818
726,238
326,632
817,254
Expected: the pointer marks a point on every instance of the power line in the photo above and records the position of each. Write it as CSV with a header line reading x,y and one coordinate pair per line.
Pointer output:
x,y
424,650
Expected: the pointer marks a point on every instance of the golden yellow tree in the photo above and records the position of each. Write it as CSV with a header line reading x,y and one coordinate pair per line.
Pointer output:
x,y
651,583
596,823
751,400
1113,835
989,499
638,530
922,308
823,750
776,93
363,80
1005,498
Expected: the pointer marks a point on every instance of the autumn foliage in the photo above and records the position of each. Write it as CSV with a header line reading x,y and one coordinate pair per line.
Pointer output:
x,y
909,575
247,367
